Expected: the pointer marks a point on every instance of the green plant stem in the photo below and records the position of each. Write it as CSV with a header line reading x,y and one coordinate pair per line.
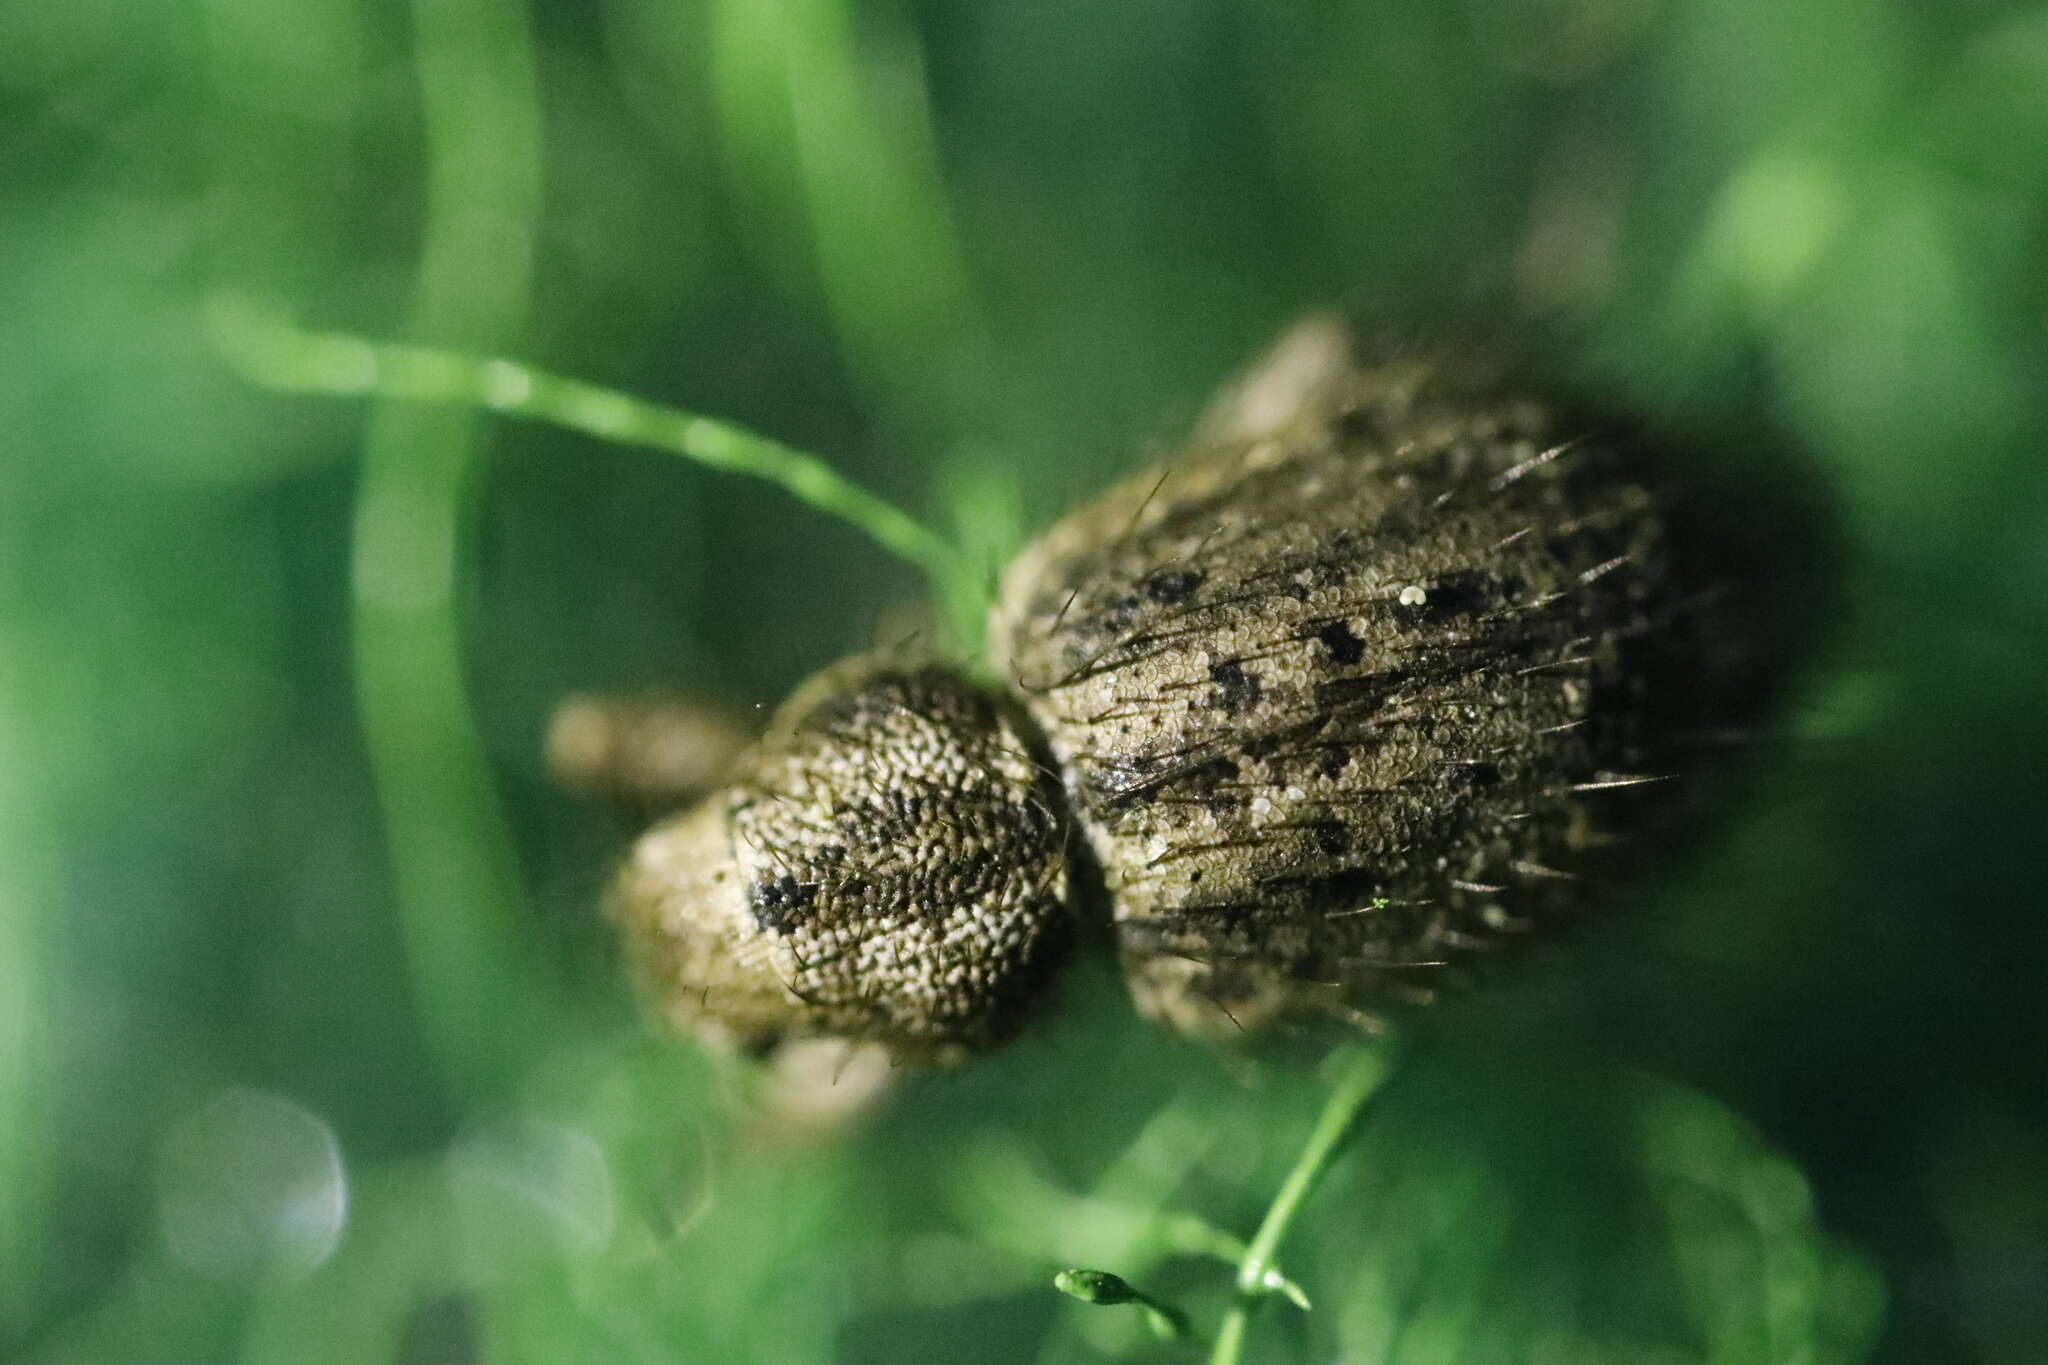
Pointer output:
x,y
457,883
1256,1273
829,138
279,356
30,1041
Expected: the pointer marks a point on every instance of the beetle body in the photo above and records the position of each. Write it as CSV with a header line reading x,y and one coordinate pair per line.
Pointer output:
x,y
1339,696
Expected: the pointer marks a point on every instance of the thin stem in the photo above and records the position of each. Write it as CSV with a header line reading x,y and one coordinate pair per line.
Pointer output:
x,y
280,356
31,1054
1257,1275
828,119
456,881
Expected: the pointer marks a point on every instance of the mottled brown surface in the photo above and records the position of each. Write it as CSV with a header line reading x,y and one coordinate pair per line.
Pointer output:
x,y
1347,693
888,864
1359,686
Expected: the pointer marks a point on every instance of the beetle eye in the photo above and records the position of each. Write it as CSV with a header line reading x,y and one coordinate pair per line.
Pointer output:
x,y
886,865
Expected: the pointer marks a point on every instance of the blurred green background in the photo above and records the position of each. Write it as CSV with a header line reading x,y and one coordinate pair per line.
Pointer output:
x,y
311,1046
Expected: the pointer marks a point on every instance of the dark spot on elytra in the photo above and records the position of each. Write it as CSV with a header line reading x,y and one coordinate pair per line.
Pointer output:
x,y
1238,690
1453,596
1336,758
1345,648
1477,774
1117,614
1362,694
1332,840
1171,587
779,902
1352,889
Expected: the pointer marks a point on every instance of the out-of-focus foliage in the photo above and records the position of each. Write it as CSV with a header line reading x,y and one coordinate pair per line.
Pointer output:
x,y
310,1042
